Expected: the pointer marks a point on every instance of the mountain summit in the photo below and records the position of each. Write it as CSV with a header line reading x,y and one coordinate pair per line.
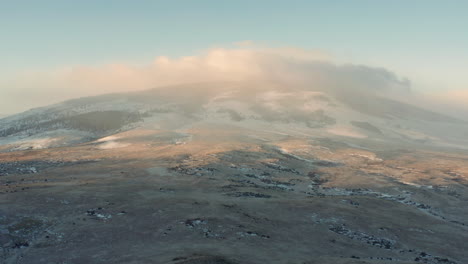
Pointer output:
x,y
233,173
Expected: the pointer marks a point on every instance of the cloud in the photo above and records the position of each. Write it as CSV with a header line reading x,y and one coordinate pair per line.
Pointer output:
x,y
292,67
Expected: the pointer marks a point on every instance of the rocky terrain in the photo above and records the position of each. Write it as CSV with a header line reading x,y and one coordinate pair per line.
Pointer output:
x,y
209,180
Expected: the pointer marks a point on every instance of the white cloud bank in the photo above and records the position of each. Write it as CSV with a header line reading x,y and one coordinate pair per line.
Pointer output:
x,y
311,70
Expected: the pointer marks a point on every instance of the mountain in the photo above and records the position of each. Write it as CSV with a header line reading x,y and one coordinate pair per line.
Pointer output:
x,y
254,105
240,172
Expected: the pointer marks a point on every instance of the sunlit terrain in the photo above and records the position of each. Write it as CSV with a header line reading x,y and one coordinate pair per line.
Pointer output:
x,y
233,132
223,175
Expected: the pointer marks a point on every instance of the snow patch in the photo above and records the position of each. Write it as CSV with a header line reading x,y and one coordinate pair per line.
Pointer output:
x,y
109,138
112,145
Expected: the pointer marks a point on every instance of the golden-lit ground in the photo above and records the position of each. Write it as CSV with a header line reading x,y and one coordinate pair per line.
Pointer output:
x,y
228,195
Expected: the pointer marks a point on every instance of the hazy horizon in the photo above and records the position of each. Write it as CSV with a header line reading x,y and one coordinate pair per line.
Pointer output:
x,y
233,132
59,50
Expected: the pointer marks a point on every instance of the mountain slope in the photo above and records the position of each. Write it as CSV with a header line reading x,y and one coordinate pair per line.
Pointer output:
x,y
242,104
232,173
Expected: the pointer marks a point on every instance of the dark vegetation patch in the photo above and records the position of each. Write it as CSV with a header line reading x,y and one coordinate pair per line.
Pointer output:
x,y
327,163
195,171
363,237
281,168
101,121
97,121
274,182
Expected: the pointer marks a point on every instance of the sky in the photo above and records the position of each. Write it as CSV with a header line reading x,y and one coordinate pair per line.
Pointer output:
x,y
424,41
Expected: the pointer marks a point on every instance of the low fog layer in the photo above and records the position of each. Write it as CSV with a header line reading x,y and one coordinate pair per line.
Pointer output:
x,y
291,69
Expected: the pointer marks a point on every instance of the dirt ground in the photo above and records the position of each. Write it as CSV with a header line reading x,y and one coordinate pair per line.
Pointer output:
x,y
222,197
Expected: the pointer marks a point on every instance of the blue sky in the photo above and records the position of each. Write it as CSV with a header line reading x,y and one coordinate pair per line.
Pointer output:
x,y
423,40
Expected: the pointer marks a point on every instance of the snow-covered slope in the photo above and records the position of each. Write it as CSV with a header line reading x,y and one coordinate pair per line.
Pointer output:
x,y
260,105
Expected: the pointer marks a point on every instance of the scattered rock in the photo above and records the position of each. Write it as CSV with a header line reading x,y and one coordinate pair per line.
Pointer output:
x,y
361,236
249,194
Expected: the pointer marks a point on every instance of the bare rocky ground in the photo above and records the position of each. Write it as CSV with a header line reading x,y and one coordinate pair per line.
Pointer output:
x,y
222,197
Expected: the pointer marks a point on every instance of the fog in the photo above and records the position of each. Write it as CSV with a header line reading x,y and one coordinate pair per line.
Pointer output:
x,y
290,69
